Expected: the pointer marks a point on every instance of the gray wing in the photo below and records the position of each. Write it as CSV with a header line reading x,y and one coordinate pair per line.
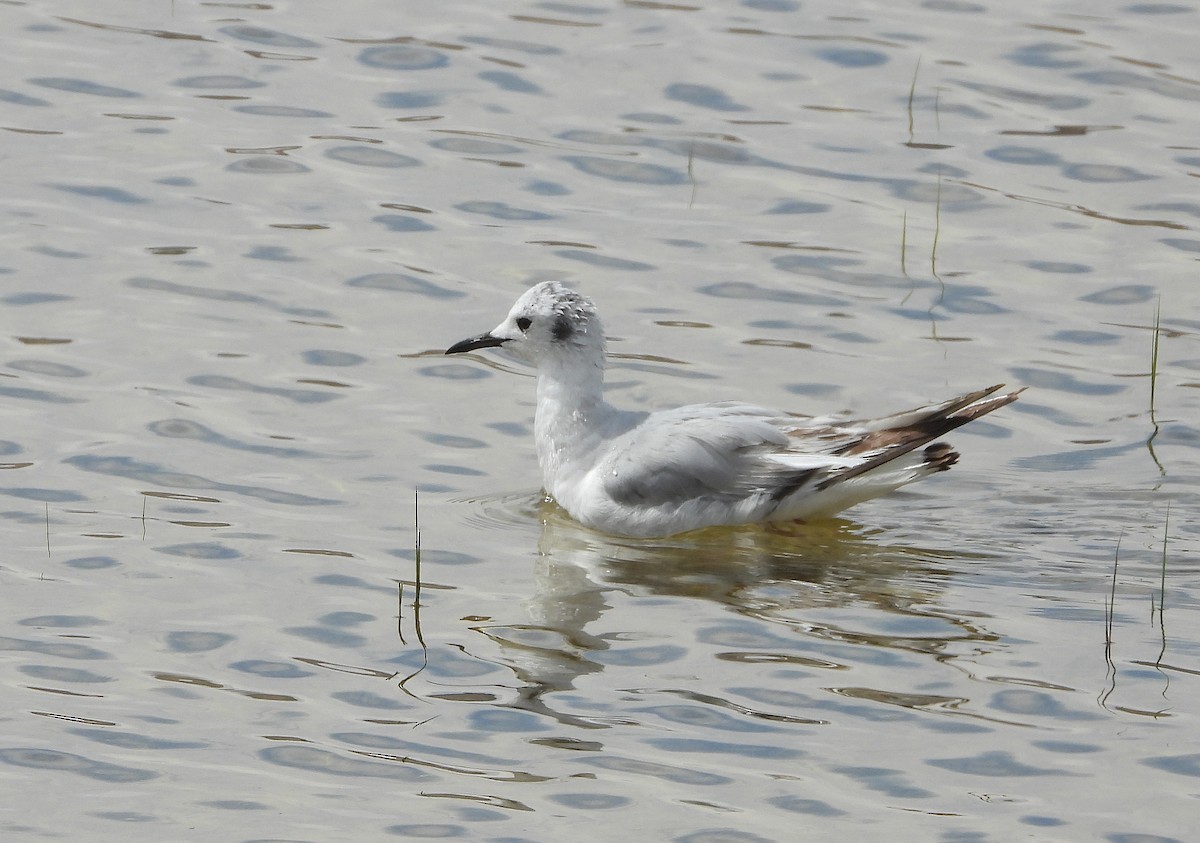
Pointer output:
x,y
729,451
709,451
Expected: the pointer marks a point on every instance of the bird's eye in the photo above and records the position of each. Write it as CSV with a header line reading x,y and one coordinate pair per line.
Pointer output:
x,y
523,324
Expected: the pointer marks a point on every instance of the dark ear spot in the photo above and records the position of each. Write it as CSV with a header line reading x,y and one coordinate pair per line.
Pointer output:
x,y
563,328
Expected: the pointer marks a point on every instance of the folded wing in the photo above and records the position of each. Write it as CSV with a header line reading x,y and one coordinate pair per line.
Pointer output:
x,y
729,452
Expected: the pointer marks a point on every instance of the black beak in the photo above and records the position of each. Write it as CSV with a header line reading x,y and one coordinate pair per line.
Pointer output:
x,y
484,341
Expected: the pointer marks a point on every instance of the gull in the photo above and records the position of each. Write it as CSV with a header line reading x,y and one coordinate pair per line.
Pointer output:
x,y
727,463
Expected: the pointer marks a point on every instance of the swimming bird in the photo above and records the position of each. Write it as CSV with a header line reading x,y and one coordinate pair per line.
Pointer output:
x,y
657,474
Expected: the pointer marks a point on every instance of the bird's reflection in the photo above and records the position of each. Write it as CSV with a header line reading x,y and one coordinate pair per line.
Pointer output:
x,y
777,575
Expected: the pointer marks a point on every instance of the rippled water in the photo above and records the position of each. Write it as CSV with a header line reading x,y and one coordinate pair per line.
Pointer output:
x,y
238,237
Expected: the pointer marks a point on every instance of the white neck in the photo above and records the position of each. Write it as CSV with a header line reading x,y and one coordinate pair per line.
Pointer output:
x,y
571,413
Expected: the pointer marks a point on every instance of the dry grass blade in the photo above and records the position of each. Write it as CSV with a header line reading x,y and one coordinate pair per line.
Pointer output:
x,y
1156,333
912,92
416,604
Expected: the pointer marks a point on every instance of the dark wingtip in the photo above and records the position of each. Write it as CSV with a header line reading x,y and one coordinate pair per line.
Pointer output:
x,y
982,405
894,442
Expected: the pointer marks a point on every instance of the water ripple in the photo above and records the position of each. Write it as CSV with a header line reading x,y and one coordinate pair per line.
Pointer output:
x,y
67,762
157,475
323,761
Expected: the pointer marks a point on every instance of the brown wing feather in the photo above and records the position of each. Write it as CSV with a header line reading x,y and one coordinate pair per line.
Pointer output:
x,y
897,441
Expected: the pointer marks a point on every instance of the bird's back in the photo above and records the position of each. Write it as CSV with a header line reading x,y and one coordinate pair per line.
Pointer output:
x,y
732,463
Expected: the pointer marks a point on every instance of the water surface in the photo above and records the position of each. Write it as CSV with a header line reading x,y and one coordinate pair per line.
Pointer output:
x,y
240,235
